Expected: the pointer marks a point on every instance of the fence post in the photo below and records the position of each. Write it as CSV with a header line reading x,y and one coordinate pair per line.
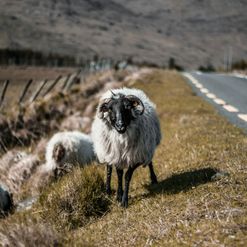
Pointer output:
x,y
25,90
72,80
36,94
52,85
2,145
66,81
5,86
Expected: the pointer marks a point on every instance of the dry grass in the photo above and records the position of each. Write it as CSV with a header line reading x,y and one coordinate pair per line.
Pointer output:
x,y
193,204
23,230
201,198
75,199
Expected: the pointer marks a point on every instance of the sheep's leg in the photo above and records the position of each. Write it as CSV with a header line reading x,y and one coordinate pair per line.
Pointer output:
x,y
152,173
108,179
120,185
128,176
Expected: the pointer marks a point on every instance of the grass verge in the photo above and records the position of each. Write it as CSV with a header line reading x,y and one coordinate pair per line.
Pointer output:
x,y
201,198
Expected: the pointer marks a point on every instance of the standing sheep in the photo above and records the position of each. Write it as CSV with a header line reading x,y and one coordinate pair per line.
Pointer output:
x,y
66,149
125,132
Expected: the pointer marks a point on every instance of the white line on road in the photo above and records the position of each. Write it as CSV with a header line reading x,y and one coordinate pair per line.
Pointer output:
x,y
230,108
243,117
211,95
204,90
198,85
191,78
219,101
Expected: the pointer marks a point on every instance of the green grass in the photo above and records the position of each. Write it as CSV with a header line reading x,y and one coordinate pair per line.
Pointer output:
x,y
201,198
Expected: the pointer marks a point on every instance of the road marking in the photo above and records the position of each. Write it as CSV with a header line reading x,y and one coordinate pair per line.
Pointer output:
x,y
211,95
191,78
204,90
198,85
219,101
243,117
230,108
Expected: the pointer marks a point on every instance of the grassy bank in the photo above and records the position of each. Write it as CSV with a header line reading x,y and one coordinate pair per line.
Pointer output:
x,y
201,198
188,206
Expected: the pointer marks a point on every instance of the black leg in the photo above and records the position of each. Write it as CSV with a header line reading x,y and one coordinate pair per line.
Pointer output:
x,y
152,174
108,179
120,185
128,176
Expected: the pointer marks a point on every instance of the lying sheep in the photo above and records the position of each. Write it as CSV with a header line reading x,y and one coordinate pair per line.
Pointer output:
x,y
66,149
10,159
125,132
20,172
6,201
16,167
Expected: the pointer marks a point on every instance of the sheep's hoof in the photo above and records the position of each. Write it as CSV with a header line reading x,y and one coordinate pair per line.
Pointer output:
x,y
124,203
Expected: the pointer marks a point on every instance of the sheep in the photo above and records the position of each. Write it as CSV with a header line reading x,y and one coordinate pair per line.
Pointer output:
x,y
16,167
125,133
10,159
6,201
20,172
68,148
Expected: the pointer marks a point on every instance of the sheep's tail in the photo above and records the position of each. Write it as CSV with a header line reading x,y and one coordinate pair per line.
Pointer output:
x,y
58,152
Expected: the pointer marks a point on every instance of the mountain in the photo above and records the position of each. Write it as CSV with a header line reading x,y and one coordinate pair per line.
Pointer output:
x,y
194,32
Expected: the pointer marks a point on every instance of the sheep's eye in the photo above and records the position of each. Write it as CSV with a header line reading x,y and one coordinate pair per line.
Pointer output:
x,y
104,109
135,103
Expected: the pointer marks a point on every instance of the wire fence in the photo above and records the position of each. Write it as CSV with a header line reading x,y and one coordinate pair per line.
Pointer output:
x,y
45,87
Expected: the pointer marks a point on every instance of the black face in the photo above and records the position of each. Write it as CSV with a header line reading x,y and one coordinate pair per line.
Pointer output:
x,y
121,109
120,114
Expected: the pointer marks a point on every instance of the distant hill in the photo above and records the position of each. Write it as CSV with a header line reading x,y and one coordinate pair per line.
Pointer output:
x,y
194,32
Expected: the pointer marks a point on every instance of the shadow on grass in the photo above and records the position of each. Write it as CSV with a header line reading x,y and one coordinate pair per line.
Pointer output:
x,y
183,181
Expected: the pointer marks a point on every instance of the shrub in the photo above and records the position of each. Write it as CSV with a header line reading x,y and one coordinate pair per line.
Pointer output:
x,y
208,68
75,199
172,64
240,65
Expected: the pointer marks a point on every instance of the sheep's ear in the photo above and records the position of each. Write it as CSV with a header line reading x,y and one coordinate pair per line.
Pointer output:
x,y
58,152
102,108
137,104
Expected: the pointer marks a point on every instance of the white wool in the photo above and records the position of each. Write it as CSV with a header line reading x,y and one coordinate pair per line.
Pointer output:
x,y
22,171
137,144
78,146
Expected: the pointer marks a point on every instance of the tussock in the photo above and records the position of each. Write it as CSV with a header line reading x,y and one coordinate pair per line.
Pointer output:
x,y
75,199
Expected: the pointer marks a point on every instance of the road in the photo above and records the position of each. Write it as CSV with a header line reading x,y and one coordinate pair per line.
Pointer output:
x,y
228,93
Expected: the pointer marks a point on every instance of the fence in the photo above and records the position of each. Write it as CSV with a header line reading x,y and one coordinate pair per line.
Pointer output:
x,y
45,88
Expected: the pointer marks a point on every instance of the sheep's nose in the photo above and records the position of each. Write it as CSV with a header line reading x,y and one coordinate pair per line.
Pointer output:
x,y
120,124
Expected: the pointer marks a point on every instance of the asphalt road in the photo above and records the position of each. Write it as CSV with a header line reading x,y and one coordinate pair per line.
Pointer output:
x,y
228,93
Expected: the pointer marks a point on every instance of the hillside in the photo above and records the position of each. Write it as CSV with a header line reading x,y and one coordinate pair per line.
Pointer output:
x,y
200,199
195,32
